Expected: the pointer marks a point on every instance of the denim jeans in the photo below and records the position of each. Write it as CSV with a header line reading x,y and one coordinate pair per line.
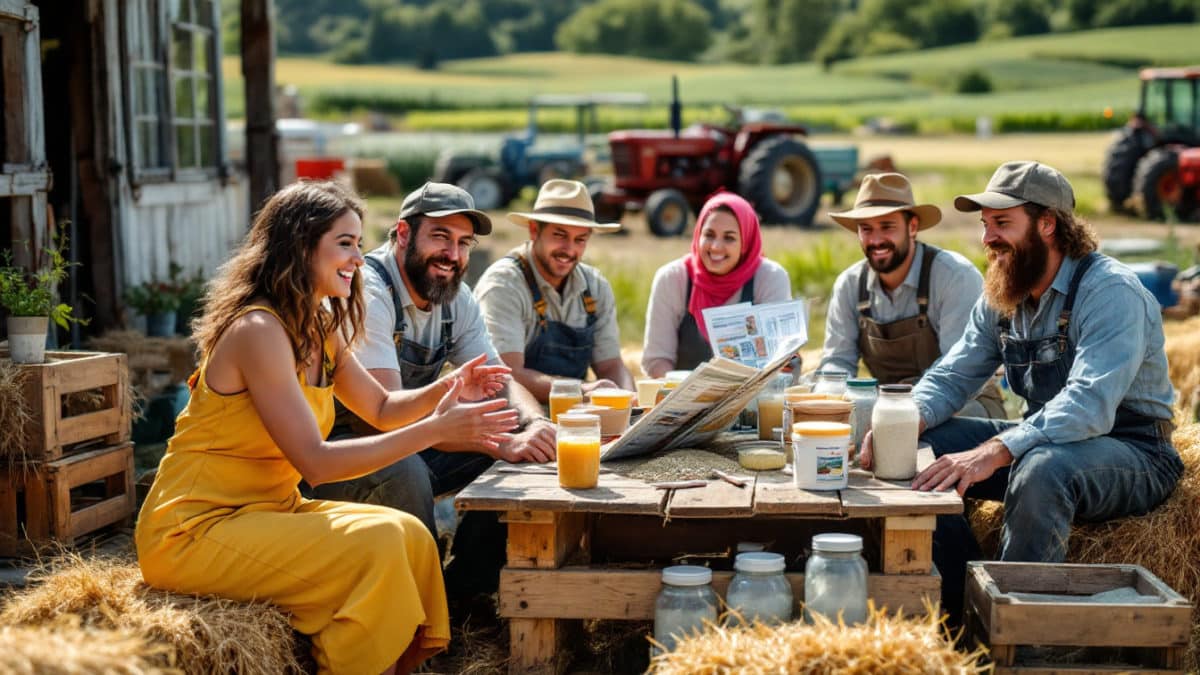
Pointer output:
x,y
1126,473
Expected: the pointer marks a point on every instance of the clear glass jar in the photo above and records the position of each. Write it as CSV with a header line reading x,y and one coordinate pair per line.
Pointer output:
x,y
835,579
563,395
831,383
895,422
796,392
759,590
770,406
861,392
685,602
578,446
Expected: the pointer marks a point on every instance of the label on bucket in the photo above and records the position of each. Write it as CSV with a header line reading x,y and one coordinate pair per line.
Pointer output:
x,y
831,462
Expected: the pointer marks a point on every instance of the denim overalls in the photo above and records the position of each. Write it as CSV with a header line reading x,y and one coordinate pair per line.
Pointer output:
x,y
556,348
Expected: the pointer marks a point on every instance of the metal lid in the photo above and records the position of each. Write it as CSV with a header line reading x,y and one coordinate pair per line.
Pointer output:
x,y
759,562
834,542
686,575
863,382
896,388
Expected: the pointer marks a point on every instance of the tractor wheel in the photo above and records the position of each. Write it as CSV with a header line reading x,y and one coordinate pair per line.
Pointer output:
x,y
667,213
606,212
780,177
1156,183
1120,162
487,187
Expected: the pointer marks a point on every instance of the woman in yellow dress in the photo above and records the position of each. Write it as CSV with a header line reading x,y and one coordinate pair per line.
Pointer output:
x,y
224,516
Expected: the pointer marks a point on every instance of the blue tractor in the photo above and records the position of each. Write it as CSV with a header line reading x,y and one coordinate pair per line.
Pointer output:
x,y
493,181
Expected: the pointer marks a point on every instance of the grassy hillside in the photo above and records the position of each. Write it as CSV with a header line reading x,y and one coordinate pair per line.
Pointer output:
x,y
1068,74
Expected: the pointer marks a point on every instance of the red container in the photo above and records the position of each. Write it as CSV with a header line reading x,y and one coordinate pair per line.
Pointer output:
x,y
318,168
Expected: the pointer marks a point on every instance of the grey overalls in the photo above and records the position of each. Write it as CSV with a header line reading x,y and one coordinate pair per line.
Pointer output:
x,y
556,348
900,351
692,349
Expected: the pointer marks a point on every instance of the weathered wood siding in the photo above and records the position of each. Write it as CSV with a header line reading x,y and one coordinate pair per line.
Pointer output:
x,y
194,221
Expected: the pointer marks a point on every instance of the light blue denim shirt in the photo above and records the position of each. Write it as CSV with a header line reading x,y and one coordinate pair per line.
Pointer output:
x,y
1116,328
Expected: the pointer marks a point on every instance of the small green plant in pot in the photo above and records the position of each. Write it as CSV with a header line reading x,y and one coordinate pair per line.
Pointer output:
x,y
158,301
31,299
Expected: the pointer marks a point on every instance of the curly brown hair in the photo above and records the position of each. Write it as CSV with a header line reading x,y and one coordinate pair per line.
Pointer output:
x,y
273,263
1073,236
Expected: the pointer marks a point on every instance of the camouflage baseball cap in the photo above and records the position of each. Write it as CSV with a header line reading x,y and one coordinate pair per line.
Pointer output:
x,y
443,199
1016,183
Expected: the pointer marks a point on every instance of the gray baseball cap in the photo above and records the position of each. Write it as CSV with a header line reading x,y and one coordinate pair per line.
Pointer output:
x,y
443,199
1016,183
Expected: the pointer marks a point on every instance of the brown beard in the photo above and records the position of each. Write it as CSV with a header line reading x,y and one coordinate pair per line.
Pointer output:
x,y
1007,285
431,289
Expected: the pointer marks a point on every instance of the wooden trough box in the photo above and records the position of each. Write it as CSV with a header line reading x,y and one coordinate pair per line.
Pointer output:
x,y
1118,618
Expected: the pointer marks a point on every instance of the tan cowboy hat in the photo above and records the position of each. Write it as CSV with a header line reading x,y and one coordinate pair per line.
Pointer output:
x,y
563,202
884,193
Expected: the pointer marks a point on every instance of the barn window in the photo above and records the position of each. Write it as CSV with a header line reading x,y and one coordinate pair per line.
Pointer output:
x,y
173,87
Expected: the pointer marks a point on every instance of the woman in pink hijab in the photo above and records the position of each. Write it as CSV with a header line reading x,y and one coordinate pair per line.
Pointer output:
x,y
726,266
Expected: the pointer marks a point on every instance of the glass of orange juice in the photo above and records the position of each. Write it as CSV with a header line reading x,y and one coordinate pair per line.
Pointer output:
x,y
578,446
563,395
618,399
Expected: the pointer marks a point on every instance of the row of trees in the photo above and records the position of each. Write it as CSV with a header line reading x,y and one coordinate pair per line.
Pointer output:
x,y
749,31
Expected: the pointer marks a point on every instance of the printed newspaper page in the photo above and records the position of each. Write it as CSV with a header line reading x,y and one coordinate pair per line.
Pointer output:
x,y
701,406
751,334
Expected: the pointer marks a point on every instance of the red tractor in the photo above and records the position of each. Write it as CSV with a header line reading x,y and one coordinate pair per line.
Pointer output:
x,y
669,174
1155,159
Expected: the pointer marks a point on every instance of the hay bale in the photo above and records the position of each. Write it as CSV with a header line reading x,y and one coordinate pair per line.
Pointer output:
x,y
15,415
70,650
1165,541
1183,363
884,644
203,634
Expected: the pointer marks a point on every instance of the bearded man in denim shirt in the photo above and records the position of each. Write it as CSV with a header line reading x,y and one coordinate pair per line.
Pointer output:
x,y
1081,341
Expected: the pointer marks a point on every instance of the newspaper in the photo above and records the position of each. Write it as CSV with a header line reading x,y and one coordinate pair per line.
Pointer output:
x,y
750,334
702,406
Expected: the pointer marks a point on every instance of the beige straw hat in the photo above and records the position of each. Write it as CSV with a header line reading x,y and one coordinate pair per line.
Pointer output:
x,y
563,202
884,193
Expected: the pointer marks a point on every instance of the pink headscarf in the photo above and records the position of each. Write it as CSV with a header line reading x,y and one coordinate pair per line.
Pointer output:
x,y
713,290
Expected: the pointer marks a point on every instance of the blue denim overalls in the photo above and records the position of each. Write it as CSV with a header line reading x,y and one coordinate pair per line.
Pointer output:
x,y
556,348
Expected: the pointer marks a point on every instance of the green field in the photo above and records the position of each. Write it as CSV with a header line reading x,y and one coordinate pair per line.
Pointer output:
x,y
1073,76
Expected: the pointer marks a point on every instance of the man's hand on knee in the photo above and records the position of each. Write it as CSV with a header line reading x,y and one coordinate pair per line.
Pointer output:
x,y
961,470
535,444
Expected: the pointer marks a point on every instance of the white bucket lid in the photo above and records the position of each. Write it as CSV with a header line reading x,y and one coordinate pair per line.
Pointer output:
x,y
759,562
686,575
834,542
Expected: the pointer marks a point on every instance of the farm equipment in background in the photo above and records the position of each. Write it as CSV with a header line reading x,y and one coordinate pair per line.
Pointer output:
x,y
493,181
669,174
1154,161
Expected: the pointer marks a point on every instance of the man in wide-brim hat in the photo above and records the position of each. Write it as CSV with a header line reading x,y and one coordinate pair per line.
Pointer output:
x,y
908,302
549,314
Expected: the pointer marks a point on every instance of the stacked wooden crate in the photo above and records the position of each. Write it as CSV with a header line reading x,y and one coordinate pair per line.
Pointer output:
x,y
74,474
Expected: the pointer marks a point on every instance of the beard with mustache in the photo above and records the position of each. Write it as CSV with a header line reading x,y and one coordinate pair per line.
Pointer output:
x,y
1007,284
435,290
544,259
899,255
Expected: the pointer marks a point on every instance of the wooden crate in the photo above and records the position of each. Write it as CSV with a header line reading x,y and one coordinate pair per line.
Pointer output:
x,y
53,430
1001,617
37,507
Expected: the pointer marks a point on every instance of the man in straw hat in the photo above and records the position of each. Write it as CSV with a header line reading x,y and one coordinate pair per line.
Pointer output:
x,y
1081,341
420,316
907,302
549,314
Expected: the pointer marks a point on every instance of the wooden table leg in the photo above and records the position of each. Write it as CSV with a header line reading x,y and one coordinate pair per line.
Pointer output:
x,y
543,540
908,544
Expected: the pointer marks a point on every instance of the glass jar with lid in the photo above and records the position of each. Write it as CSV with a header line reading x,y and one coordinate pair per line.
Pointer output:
x,y
895,423
862,394
564,393
832,383
835,579
770,406
759,590
578,446
685,602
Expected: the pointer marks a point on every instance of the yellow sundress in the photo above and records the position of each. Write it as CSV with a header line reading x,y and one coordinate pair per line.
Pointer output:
x,y
225,517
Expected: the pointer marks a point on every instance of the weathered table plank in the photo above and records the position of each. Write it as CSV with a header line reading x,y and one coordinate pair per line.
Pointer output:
x,y
539,491
775,494
718,499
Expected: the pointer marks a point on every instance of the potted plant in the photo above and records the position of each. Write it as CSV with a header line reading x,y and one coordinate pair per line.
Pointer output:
x,y
158,301
31,299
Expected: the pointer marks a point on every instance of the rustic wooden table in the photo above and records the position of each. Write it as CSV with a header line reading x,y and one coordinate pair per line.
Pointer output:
x,y
598,553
